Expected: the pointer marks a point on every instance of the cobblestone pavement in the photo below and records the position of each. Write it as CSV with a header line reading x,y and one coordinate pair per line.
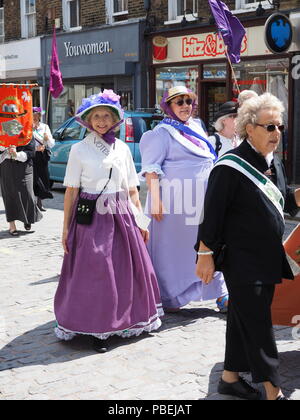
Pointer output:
x,y
182,361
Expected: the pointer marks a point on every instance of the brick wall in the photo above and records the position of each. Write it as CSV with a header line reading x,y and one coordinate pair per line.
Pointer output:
x,y
93,13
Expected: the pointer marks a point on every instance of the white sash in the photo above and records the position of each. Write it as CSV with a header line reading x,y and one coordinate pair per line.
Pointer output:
x,y
260,180
204,152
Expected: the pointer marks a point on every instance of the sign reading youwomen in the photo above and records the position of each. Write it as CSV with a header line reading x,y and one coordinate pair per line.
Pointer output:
x,y
87,49
99,52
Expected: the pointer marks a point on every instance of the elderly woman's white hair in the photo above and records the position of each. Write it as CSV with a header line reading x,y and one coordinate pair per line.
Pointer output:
x,y
245,95
249,112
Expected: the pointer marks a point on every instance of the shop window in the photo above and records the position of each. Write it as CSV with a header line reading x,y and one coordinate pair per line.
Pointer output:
x,y
28,18
266,76
1,22
71,14
168,77
179,8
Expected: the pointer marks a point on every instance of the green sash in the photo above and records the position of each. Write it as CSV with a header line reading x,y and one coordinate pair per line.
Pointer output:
x,y
260,180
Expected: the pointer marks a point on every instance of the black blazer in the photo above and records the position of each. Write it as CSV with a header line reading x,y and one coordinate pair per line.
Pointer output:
x,y
239,215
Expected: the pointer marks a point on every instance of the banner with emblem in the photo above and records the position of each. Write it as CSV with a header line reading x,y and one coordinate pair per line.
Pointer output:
x,y
15,114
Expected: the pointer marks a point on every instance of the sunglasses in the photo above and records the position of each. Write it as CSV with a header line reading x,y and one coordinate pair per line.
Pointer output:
x,y
188,101
272,127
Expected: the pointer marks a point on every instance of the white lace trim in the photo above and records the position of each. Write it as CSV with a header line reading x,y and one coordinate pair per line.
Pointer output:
x,y
153,324
150,169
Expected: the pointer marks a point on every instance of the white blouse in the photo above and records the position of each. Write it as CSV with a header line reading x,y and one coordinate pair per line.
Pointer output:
x,y
39,133
89,165
227,144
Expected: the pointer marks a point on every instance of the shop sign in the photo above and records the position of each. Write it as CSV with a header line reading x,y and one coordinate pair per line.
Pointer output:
x,y
86,49
278,33
208,46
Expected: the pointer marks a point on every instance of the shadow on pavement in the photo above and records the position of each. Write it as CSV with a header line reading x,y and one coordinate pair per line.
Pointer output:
x,y
289,371
53,279
188,316
41,347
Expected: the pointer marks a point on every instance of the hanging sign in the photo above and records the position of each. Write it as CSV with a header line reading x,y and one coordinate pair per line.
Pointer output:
x,y
15,115
278,33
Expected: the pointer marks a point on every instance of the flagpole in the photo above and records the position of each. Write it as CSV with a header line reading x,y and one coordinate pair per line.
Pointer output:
x,y
48,105
231,66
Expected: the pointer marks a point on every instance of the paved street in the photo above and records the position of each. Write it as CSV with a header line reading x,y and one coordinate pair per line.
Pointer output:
x,y
182,361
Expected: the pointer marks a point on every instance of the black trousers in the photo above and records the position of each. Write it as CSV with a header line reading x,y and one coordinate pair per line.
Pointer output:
x,y
250,341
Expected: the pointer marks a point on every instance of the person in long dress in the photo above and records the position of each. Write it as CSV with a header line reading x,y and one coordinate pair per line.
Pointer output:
x,y
243,226
43,144
16,180
176,166
107,285
225,137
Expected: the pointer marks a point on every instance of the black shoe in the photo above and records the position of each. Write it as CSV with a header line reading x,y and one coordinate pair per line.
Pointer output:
x,y
239,389
14,233
282,398
99,346
27,226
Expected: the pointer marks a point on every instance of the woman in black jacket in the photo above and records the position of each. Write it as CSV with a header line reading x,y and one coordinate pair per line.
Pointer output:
x,y
16,180
242,231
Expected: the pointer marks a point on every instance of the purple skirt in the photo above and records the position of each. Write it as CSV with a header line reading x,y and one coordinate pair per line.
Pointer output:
x,y
107,284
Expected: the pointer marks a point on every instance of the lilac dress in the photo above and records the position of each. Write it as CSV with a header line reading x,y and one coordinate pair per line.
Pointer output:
x,y
183,169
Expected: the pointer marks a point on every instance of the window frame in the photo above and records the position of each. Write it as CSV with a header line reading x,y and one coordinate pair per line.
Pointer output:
x,y
67,15
242,5
173,15
122,12
25,20
2,35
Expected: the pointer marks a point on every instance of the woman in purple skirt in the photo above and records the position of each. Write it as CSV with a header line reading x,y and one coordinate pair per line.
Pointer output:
x,y
107,285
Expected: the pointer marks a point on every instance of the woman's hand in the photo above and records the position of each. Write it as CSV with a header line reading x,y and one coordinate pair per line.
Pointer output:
x,y
64,240
157,209
145,235
205,268
12,150
40,148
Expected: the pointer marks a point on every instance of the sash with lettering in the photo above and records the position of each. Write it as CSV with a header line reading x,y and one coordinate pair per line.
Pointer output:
x,y
172,126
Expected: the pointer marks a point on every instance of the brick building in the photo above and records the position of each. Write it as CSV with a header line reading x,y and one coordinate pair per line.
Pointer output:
x,y
118,45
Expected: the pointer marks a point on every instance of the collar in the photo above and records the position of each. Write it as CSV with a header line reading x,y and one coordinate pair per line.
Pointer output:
x,y
269,158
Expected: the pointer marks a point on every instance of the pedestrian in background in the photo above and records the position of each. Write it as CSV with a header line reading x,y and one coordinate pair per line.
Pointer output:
x,y
43,144
16,180
244,223
225,137
176,162
107,285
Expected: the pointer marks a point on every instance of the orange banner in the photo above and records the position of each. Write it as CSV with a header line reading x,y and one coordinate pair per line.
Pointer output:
x,y
15,115
286,303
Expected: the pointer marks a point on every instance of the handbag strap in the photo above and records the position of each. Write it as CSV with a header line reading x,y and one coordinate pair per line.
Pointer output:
x,y
109,177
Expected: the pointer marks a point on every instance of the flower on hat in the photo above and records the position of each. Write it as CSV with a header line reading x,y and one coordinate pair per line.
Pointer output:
x,y
107,97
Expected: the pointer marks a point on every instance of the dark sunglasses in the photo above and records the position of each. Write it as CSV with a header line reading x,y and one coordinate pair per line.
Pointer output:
x,y
188,101
272,127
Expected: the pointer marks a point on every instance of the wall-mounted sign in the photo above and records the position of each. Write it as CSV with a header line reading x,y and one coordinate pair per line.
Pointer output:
x,y
278,33
160,48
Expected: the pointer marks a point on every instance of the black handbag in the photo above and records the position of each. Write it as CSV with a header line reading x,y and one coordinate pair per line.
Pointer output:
x,y
86,207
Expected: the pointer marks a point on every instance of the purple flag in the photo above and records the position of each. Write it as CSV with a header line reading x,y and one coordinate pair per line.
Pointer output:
x,y
56,83
230,28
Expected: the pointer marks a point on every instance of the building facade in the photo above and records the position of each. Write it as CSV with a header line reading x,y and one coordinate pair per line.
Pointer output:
x,y
141,47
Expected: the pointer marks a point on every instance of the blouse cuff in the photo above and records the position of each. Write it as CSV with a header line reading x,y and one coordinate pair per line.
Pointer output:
x,y
66,183
21,156
151,169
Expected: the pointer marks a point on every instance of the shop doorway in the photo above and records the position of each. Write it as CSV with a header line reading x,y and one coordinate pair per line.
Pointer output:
x,y
212,96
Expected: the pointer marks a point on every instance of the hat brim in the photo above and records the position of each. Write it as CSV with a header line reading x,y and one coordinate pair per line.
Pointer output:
x,y
82,116
192,95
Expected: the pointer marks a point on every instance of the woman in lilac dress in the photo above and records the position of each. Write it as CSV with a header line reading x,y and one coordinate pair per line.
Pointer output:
x,y
176,162
107,285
